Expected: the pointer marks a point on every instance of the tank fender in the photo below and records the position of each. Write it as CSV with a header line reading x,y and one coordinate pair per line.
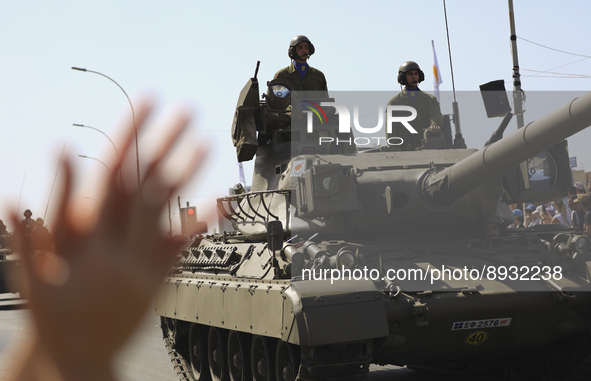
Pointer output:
x,y
345,311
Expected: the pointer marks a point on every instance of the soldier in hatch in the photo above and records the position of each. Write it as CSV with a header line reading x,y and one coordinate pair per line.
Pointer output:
x,y
299,73
428,117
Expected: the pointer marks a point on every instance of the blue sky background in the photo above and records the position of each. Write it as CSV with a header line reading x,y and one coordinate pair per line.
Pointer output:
x,y
201,54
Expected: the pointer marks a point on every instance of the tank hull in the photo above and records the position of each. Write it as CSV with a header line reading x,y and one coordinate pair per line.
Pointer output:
x,y
413,327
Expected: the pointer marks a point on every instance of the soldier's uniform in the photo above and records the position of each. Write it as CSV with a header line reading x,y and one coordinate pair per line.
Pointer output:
x,y
314,79
428,113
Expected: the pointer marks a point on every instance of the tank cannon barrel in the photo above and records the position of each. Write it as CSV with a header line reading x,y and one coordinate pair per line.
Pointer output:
x,y
446,185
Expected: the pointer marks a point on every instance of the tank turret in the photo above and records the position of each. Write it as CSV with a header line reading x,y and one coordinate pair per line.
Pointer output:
x,y
399,191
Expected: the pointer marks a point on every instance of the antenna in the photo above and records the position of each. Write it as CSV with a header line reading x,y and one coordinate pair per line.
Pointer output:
x,y
54,178
458,139
19,197
517,92
256,71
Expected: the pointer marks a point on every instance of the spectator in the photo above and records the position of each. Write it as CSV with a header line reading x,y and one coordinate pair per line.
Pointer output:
x,y
518,223
560,213
576,208
571,191
532,216
545,217
580,188
586,206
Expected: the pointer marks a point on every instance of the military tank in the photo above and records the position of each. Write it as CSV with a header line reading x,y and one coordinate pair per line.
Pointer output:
x,y
8,264
316,280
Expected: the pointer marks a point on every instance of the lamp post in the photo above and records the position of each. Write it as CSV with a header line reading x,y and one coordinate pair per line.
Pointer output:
x,y
95,159
116,152
137,154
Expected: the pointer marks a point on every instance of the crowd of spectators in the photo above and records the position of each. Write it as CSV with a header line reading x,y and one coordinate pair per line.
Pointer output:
x,y
573,211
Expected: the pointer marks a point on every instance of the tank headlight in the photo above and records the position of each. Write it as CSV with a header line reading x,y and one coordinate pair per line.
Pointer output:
x,y
345,259
329,183
326,185
581,244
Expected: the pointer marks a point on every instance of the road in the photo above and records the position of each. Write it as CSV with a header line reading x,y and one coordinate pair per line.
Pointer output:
x,y
145,358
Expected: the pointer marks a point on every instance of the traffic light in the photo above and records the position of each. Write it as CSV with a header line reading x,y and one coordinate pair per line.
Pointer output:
x,y
191,219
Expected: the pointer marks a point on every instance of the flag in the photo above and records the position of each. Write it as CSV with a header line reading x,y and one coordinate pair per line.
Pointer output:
x,y
436,74
241,173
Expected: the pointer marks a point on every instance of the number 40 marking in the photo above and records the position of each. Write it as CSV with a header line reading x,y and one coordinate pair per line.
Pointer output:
x,y
477,338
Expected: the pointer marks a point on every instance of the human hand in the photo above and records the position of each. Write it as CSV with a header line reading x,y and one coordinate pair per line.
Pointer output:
x,y
88,296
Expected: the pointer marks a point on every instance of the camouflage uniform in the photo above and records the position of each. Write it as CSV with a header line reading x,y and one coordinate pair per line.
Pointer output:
x,y
428,113
313,79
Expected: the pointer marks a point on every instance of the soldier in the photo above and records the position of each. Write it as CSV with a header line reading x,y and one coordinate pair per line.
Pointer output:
x,y
28,223
299,73
492,226
428,112
42,238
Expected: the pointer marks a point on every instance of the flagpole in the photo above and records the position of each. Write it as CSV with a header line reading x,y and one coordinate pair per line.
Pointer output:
x,y
436,74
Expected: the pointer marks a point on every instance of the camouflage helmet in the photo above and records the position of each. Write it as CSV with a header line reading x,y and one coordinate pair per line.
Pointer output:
x,y
406,66
291,52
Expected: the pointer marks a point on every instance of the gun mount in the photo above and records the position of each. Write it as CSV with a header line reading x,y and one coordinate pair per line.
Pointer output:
x,y
447,185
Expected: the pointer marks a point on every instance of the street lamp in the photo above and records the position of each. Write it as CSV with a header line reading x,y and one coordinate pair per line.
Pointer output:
x,y
95,159
137,154
116,152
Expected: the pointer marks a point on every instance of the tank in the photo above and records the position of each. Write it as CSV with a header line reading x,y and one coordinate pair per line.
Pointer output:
x,y
8,265
340,258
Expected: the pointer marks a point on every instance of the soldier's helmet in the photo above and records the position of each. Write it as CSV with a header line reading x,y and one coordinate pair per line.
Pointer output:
x,y
494,219
406,66
291,52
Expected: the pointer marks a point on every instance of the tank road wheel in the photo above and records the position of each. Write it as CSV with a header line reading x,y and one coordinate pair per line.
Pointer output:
x,y
564,356
217,354
263,358
239,356
198,353
487,367
287,361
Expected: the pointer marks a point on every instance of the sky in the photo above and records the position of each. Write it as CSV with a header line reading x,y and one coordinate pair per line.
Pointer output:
x,y
199,55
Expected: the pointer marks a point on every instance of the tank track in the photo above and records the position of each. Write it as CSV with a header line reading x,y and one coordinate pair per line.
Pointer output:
x,y
181,367
311,369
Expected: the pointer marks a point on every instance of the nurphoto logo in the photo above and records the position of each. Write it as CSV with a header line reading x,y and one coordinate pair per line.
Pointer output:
x,y
394,114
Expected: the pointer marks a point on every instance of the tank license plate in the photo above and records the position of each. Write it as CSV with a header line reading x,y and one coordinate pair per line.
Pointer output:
x,y
476,324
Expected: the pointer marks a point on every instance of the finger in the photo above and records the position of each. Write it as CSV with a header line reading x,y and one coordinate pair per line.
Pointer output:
x,y
192,168
178,126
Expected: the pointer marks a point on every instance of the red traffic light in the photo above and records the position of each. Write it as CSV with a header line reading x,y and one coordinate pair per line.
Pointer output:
x,y
190,211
